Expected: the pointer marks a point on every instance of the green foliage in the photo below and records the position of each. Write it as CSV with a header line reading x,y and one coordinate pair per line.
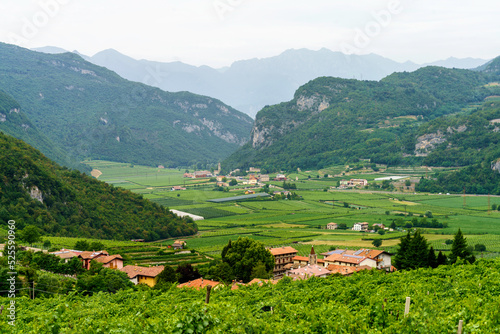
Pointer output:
x,y
30,234
99,279
74,204
412,252
168,275
479,248
246,256
186,272
377,242
460,249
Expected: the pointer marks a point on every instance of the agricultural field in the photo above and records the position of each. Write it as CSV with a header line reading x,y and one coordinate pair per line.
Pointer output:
x,y
301,223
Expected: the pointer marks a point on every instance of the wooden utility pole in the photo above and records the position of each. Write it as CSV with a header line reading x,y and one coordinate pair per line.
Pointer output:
x,y
407,305
207,298
33,289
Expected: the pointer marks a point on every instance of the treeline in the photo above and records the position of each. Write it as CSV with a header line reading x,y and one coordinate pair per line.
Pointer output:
x,y
63,202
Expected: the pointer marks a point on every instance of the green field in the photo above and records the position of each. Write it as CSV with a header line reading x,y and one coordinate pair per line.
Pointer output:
x,y
301,223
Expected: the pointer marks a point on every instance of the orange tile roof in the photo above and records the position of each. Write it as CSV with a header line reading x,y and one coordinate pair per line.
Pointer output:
x,y
346,270
133,271
91,255
300,258
198,284
108,259
261,281
345,258
282,250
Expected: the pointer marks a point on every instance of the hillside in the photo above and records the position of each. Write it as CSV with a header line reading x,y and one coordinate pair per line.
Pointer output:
x,y
366,302
335,121
91,112
14,122
63,202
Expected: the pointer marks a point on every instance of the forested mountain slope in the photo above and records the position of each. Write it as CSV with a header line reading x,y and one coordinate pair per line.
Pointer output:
x,y
91,112
332,120
63,202
14,122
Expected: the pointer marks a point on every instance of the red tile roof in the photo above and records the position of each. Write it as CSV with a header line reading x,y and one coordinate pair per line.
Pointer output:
x,y
133,271
282,250
91,255
198,284
108,259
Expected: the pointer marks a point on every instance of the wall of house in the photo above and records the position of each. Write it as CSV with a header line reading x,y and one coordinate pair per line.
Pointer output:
x,y
147,280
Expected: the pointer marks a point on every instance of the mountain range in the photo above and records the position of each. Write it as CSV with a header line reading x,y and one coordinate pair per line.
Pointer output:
x,y
407,118
249,85
88,111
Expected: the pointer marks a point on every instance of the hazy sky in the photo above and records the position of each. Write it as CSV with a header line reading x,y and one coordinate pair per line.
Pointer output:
x,y
218,32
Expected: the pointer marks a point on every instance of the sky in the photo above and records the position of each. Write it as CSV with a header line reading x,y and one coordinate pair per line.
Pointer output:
x,y
219,32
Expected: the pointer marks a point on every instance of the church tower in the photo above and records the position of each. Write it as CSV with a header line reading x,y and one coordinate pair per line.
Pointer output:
x,y
313,258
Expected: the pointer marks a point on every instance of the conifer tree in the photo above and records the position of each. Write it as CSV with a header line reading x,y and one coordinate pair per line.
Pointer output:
x,y
459,249
431,259
418,252
441,259
401,257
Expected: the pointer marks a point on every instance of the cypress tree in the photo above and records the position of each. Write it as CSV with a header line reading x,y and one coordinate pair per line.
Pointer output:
x,y
401,257
431,259
441,259
459,249
418,252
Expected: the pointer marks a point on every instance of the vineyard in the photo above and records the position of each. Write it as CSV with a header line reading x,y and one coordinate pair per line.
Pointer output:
x,y
367,302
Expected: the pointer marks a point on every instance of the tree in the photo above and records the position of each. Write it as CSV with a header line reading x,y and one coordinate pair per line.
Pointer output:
x,y
459,249
30,234
418,251
95,246
480,248
46,244
260,271
377,242
187,273
233,182
401,256
82,245
342,226
244,255
168,275
441,259
431,259
381,231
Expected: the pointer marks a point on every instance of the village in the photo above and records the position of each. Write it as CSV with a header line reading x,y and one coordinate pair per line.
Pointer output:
x,y
343,262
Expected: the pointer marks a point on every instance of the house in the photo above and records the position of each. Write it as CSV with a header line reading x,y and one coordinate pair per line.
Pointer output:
x,y
382,258
198,284
280,177
161,167
349,260
87,257
179,244
111,261
189,175
353,183
252,180
264,178
380,226
67,254
308,271
282,257
345,270
248,192
254,170
360,226
174,188
222,184
220,178
331,226
260,281
143,275
202,173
